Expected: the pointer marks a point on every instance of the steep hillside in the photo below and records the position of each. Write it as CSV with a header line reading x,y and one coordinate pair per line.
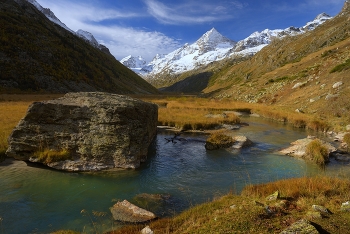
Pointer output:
x,y
37,55
308,72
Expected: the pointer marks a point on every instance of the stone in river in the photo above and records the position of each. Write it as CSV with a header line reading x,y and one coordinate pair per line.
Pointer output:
x,y
85,131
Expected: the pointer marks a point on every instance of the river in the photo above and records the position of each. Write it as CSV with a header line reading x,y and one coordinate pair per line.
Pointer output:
x,y
39,200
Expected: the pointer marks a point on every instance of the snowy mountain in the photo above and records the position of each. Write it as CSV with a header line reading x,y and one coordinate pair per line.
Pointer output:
x,y
80,33
134,63
213,46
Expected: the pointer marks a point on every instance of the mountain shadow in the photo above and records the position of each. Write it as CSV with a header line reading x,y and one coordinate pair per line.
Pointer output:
x,y
191,85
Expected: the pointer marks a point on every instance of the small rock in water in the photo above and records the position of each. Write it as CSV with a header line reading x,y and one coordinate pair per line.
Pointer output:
x,y
127,212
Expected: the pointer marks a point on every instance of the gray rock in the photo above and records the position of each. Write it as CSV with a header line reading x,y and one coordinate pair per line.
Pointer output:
x,y
321,209
146,230
345,206
273,197
240,142
298,148
127,212
301,227
337,85
331,96
347,128
98,130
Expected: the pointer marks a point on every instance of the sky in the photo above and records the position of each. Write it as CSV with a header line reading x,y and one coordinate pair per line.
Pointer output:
x,y
149,27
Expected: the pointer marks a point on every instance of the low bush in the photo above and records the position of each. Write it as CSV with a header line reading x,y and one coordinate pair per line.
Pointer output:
x,y
317,152
219,140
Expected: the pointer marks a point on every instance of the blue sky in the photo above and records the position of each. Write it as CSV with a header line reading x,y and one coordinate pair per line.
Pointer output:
x,y
148,27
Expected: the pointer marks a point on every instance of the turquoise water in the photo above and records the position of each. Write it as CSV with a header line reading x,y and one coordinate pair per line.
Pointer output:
x,y
40,200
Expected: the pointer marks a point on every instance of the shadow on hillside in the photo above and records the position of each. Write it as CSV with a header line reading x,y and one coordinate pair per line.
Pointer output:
x,y
193,84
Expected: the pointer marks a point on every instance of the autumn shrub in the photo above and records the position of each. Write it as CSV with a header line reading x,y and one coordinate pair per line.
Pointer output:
x,y
318,125
219,140
317,152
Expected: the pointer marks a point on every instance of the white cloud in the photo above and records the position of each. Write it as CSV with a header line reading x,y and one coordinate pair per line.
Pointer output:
x,y
121,41
192,12
129,41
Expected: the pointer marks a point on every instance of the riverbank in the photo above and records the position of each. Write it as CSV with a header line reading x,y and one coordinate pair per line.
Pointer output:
x,y
251,212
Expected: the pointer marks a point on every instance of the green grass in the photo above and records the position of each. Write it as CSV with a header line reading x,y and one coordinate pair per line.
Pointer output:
x,y
341,67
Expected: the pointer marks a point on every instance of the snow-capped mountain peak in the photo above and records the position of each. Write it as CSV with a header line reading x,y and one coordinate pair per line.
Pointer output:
x,y
133,62
212,40
212,46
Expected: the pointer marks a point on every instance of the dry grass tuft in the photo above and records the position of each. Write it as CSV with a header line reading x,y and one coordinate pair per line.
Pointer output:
x,y
306,187
317,152
49,156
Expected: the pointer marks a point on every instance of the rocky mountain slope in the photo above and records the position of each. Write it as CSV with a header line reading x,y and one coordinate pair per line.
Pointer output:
x,y
38,55
80,33
213,47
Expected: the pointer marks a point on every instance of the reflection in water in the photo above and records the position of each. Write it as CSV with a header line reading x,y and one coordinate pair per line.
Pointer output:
x,y
34,199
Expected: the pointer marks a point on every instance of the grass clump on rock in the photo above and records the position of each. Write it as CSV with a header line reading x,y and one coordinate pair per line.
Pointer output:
x,y
317,152
218,140
49,156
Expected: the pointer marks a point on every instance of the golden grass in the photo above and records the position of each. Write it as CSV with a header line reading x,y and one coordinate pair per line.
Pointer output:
x,y
190,112
48,156
10,114
240,214
219,139
12,109
317,152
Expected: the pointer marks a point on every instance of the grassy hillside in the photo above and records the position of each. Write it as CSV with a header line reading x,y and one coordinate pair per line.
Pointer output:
x,y
37,55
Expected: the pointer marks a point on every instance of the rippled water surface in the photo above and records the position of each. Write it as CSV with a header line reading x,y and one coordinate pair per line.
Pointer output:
x,y
39,200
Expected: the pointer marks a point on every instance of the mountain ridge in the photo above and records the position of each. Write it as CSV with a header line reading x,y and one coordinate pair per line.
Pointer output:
x,y
40,56
213,47
87,36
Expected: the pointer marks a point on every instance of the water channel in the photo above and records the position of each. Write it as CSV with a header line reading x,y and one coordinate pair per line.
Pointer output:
x,y
39,200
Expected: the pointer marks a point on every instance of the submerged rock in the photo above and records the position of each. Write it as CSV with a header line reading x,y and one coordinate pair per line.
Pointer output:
x,y
127,212
94,131
241,141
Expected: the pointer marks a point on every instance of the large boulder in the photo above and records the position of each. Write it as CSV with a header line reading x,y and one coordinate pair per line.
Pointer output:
x,y
85,132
